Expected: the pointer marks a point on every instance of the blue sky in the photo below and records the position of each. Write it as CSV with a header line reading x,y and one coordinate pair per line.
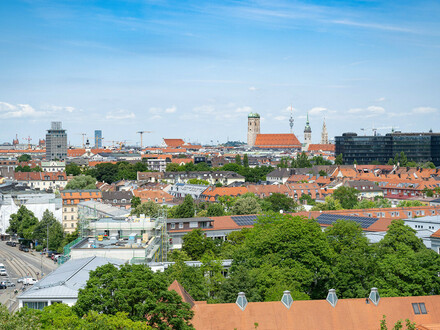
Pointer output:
x,y
195,69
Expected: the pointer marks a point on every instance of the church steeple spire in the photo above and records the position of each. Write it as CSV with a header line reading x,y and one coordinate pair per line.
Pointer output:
x,y
291,120
324,134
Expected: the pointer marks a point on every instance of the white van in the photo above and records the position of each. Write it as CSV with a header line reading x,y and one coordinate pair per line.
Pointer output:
x,y
3,270
29,281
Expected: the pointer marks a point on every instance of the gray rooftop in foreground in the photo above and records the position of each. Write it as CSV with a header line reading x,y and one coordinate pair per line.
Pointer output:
x,y
105,208
66,280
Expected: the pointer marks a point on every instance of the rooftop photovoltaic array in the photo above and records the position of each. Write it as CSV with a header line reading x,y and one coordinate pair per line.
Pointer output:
x,y
329,219
244,220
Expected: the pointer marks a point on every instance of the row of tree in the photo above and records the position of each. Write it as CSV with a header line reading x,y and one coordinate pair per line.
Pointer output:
x,y
282,252
26,225
227,205
303,161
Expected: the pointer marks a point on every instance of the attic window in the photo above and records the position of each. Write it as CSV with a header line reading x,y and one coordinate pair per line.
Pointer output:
x,y
419,308
374,296
332,298
241,301
287,299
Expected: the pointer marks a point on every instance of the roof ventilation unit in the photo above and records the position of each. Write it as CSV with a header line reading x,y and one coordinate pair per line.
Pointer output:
x,y
374,296
241,301
332,298
287,299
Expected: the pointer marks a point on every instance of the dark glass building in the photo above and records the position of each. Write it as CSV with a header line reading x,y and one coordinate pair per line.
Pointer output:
x,y
56,142
418,147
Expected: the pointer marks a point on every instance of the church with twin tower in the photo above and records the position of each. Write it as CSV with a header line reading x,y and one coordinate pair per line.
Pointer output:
x,y
258,140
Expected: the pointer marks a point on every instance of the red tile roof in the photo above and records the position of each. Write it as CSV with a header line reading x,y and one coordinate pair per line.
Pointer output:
x,y
277,141
322,147
173,143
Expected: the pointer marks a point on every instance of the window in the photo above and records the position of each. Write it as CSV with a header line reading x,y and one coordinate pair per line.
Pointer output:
x,y
71,217
193,224
181,225
72,225
35,304
71,209
173,226
419,308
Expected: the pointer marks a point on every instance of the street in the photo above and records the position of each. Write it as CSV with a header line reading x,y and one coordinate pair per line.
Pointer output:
x,y
20,264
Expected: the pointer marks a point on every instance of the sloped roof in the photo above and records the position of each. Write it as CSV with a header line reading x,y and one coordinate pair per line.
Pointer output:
x,y
182,292
322,147
173,143
277,141
315,314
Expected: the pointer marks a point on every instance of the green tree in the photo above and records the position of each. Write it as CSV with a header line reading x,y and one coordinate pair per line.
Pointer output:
x,y
150,209
302,160
246,205
283,252
212,271
198,181
339,160
307,198
404,266
81,182
215,210
403,159
238,160
195,244
330,204
353,264
322,173
137,291
24,158
409,203
107,172
245,160
390,161
277,202
172,167
186,209
73,169
22,223
25,318
135,202
347,196
49,222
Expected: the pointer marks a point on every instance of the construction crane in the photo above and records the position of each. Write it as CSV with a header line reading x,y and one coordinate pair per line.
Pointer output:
x,y
28,139
142,133
375,129
83,135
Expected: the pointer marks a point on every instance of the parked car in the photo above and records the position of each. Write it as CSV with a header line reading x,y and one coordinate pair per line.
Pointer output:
x,y
8,283
23,248
2,286
21,280
10,243
3,270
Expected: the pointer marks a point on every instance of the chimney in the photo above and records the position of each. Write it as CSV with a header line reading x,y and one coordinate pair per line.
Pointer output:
x,y
287,299
332,298
374,296
241,301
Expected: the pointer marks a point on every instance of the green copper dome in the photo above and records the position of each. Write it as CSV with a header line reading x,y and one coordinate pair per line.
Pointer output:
x,y
254,115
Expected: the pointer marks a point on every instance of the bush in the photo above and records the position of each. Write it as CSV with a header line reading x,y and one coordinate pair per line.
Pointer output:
x,y
39,248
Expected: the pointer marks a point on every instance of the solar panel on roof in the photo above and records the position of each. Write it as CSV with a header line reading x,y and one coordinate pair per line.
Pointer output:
x,y
244,220
329,219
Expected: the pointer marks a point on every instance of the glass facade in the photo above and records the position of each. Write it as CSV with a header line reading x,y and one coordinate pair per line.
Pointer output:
x,y
56,142
418,147
98,139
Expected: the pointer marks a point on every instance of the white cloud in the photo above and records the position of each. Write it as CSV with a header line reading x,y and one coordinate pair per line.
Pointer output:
x,y
156,117
280,118
204,109
253,89
120,114
355,110
424,110
289,108
155,110
317,111
380,99
375,109
172,109
18,111
244,109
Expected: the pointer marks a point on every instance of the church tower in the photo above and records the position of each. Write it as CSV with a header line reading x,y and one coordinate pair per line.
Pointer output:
x,y
253,128
324,134
307,133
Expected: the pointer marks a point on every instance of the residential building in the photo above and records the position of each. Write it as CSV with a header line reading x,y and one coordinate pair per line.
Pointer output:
x,y
366,189
213,177
159,165
157,196
180,190
120,199
71,199
93,209
42,180
53,166
56,142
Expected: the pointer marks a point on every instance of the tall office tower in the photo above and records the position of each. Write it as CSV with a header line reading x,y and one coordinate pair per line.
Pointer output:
x,y
56,142
253,128
98,139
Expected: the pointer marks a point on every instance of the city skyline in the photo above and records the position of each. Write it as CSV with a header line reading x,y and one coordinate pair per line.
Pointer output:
x,y
194,71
